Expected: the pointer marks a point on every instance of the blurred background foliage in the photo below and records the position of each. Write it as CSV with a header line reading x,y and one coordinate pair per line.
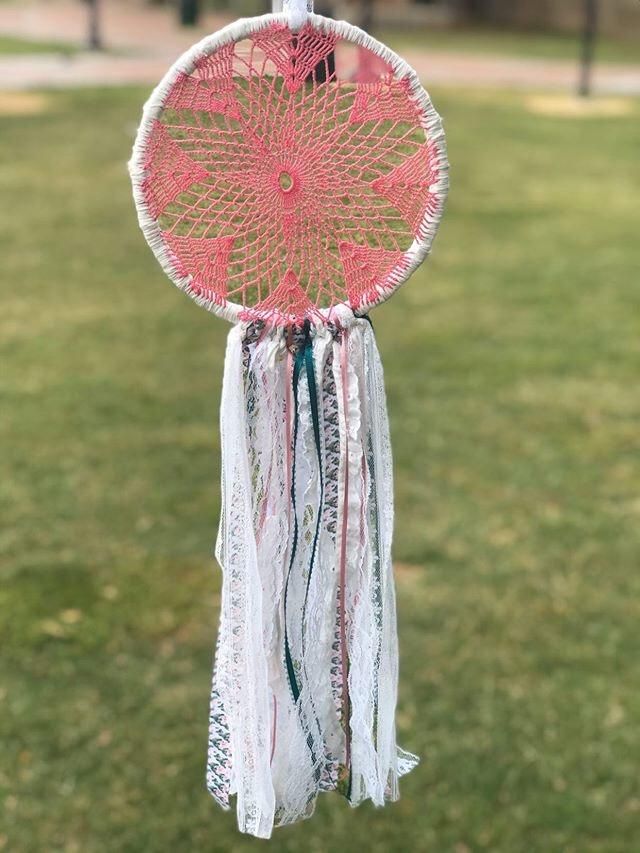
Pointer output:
x,y
511,363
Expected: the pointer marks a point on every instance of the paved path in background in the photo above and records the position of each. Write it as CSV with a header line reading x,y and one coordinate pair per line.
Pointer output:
x,y
143,41
126,25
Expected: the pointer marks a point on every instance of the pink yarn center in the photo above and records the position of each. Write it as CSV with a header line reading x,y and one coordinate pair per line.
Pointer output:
x,y
286,181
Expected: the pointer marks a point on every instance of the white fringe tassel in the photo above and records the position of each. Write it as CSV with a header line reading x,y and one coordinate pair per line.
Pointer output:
x,y
305,679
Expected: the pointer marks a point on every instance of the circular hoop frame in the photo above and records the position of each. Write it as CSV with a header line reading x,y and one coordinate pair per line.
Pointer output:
x,y
430,121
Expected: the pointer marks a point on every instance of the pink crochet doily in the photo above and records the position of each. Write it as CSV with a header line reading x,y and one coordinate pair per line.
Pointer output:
x,y
280,174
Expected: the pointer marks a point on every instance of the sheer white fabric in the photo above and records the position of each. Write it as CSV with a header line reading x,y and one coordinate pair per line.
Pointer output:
x,y
305,678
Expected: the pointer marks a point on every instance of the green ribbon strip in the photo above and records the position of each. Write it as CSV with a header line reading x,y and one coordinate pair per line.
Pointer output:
x,y
313,396
304,359
293,682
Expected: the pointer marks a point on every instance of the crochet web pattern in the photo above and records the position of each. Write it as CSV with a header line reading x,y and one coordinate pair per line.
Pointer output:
x,y
286,173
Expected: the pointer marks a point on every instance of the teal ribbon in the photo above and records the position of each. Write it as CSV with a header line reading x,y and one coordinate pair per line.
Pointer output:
x,y
293,682
313,396
304,360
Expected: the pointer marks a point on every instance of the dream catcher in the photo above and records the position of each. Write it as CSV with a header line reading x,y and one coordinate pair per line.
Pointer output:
x,y
289,174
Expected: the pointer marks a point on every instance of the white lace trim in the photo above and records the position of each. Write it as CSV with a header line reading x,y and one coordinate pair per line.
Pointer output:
x,y
274,753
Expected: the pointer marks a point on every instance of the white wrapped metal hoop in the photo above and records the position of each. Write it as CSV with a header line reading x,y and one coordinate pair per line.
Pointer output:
x,y
429,119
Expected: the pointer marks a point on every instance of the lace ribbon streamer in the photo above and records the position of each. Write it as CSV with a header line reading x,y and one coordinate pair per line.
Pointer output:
x,y
305,678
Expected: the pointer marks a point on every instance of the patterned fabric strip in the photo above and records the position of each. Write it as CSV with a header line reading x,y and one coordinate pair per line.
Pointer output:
x,y
305,678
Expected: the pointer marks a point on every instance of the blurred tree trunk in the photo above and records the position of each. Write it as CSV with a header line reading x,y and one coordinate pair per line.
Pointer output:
x,y
95,37
476,11
589,32
189,12
366,15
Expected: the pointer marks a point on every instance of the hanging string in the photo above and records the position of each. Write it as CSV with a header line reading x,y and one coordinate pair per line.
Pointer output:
x,y
297,10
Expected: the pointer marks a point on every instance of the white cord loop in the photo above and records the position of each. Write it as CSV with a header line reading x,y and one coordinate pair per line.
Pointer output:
x,y
297,11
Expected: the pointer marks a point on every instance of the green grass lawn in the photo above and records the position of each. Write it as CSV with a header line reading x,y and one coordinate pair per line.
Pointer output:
x,y
524,43
512,362
11,46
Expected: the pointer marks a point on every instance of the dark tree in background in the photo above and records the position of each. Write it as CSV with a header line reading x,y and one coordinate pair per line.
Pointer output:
x,y
366,15
94,38
189,12
475,11
589,32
